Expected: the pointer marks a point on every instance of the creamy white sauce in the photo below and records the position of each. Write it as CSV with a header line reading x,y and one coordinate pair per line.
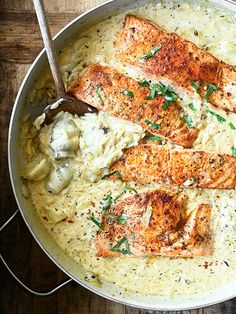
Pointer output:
x,y
66,213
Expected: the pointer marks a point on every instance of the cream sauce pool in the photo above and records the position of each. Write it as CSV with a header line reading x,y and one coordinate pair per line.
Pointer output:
x,y
67,189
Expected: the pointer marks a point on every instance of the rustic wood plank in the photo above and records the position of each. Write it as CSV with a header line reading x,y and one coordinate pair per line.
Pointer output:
x,y
51,6
20,39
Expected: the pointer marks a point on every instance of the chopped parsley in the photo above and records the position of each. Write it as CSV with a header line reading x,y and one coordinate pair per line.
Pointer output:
x,y
106,202
218,117
232,126
161,89
153,92
233,149
129,188
151,53
155,126
98,93
193,84
166,104
187,120
116,247
116,172
125,189
132,236
121,219
191,106
145,84
127,92
118,197
98,223
153,138
211,89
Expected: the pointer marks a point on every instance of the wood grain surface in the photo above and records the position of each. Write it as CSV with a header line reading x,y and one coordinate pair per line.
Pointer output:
x,y
20,42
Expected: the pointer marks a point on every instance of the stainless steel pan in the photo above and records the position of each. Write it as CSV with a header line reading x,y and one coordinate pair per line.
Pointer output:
x,y
57,255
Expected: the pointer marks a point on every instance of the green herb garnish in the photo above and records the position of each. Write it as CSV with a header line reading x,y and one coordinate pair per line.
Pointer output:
x,y
129,188
187,120
191,106
121,219
233,149
193,84
218,117
132,236
145,84
118,197
153,138
98,93
211,89
166,91
127,92
106,202
161,89
151,53
98,223
155,126
116,247
166,104
153,92
232,126
125,188
116,172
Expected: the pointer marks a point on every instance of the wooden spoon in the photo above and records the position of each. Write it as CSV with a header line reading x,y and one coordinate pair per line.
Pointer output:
x,y
64,102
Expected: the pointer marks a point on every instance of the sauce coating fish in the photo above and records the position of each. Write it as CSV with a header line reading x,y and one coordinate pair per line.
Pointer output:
x,y
178,61
155,225
123,97
148,163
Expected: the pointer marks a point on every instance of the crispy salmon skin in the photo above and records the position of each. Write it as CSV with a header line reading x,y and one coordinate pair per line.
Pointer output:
x,y
123,97
178,61
147,163
153,224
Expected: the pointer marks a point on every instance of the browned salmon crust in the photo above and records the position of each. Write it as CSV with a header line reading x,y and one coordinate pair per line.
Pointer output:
x,y
205,169
148,163
155,226
144,164
102,87
178,61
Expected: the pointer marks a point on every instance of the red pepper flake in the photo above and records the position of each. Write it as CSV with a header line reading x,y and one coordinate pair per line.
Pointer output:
x,y
45,218
70,221
229,94
206,265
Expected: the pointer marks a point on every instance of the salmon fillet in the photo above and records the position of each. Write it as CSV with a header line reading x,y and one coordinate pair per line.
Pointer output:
x,y
144,164
155,225
178,61
204,169
122,97
148,163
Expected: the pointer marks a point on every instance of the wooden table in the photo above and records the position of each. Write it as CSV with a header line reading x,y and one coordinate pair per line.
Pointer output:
x,y
20,42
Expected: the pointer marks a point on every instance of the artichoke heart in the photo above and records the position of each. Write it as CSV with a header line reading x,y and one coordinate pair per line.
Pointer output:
x,y
59,178
65,138
37,169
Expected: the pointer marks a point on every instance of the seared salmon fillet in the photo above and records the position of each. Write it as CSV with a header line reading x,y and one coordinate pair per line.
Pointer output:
x,y
178,61
148,163
144,164
203,169
123,97
154,224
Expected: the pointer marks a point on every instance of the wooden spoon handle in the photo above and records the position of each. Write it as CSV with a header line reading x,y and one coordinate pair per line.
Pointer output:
x,y
49,47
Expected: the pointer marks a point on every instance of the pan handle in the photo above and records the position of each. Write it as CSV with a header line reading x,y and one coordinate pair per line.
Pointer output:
x,y
40,294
